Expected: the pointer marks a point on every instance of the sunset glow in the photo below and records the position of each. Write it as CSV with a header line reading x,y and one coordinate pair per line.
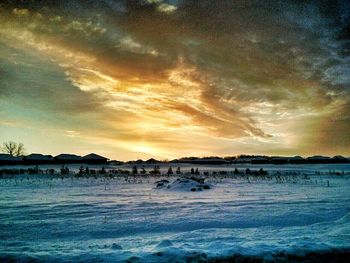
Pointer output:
x,y
164,79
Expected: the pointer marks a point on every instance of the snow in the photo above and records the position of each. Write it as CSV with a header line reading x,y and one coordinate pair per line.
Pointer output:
x,y
301,168
50,218
184,184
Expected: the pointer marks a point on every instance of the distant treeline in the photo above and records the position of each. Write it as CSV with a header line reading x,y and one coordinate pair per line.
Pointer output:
x,y
264,160
249,159
34,159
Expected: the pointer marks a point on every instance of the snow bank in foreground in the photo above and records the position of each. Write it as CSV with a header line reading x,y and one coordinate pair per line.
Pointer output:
x,y
184,184
87,219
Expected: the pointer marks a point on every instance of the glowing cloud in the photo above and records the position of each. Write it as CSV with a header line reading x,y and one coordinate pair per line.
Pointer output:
x,y
137,79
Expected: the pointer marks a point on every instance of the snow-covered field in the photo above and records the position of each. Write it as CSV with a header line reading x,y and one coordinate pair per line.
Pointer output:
x,y
123,218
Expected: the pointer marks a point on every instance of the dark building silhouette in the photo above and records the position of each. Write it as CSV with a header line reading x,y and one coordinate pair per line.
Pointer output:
x,y
279,160
152,160
260,160
65,158
37,158
319,159
297,160
339,159
93,158
7,159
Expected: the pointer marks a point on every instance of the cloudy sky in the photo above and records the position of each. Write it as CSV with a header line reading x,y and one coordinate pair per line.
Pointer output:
x,y
151,78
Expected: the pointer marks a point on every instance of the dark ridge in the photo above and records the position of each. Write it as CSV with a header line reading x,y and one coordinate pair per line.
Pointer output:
x,y
37,158
329,256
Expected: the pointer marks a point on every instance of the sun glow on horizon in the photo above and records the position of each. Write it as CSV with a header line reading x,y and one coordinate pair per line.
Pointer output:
x,y
164,85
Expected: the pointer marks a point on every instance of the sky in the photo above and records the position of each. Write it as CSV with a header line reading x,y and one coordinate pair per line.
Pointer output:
x,y
164,79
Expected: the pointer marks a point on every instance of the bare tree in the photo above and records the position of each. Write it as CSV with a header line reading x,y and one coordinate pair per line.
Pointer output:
x,y
13,148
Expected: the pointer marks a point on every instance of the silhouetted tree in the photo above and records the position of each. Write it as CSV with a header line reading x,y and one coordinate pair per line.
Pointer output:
x,y
262,171
156,169
134,170
178,170
81,170
170,171
13,148
64,170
